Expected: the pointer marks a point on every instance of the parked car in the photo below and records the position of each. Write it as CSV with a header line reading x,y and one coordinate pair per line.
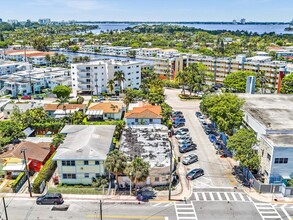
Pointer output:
x,y
204,124
50,199
26,97
207,130
179,125
178,120
186,143
39,97
114,98
212,138
13,97
184,139
198,114
177,112
195,173
218,145
183,133
192,158
182,129
187,148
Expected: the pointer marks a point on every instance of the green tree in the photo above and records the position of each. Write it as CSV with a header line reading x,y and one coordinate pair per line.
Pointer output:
x,y
74,48
119,76
156,95
133,94
9,131
61,91
110,85
116,163
236,82
182,77
57,140
41,43
138,170
224,110
166,113
287,84
241,144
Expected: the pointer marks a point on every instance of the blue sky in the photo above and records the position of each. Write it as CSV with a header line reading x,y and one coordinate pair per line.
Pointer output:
x,y
148,10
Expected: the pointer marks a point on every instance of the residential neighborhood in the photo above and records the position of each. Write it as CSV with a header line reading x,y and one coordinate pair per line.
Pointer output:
x,y
156,113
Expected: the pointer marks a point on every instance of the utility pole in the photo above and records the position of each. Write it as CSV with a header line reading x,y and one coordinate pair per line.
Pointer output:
x,y
101,211
5,210
27,172
171,171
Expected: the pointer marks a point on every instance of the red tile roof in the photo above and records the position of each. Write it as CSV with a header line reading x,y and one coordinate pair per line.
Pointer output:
x,y
149,111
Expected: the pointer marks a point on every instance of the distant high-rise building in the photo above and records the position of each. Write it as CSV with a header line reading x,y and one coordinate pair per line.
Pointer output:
x,y
234,22
0,20
45,21
12,21
243,21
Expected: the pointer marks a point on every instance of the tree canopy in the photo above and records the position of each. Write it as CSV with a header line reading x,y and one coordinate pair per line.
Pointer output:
x,y
241,144
287,84
41,43
9,131
224,110
236,82
62,91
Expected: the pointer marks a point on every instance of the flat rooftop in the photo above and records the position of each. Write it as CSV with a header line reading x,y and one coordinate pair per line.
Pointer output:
x,y
149,142
280,140
274,111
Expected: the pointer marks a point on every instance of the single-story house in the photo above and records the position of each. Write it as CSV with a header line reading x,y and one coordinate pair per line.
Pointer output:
x,y
23,107
145,115
81,157
36,155
105,110
61,110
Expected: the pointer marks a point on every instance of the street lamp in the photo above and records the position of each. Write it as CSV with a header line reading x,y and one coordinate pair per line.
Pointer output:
x,y
130,174
27,172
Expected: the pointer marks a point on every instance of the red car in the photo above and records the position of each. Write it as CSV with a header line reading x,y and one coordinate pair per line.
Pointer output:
x,y
26,97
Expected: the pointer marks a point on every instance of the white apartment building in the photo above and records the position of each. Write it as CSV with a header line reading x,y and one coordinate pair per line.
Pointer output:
x,y
8,67
147,52
118,50
168,53
270,116
93,77
44,21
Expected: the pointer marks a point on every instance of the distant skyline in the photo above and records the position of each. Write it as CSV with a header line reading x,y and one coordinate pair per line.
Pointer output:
x,y
148,10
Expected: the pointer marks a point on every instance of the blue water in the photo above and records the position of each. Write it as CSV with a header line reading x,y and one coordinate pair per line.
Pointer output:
x,y
260,28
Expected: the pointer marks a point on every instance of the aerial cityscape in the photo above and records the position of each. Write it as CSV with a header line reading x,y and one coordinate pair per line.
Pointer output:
x,y
167,110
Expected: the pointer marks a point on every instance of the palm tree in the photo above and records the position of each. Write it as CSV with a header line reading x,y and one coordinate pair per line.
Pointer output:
x,y
111,85
113,107
137,170
182,77
120,77
262,80
116,163
57,140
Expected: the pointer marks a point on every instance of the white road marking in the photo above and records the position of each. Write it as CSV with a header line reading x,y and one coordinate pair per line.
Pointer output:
x,y
286,213
204,196
241,196
234,197
179,209
227,197
157,204
196,196
219,196
212,196
263,208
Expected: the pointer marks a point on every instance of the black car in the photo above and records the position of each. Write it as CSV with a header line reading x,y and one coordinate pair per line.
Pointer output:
x,y
13,97
195,173
179,125
198,114
192,158
177,112
187,148
218,145
207,130
50,199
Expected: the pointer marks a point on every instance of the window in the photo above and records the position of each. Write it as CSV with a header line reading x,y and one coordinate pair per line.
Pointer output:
x,y
157,179
136,120
68,163
151,120
281,160
86,162
88,80
87,68
98,175
86,175
88,74
69,176
269,156
137,77
97,162
95,67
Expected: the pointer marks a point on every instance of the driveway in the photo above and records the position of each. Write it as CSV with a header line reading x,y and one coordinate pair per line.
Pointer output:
x,y
217,170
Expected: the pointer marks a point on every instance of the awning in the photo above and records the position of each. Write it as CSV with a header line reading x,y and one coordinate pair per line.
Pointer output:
x,y
14,167
94,112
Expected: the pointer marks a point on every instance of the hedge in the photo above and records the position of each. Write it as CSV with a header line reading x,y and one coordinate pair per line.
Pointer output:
x,y
16,181
45,174
188,97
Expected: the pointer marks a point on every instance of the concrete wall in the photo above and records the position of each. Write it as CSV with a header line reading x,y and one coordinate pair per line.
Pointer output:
x,y
254,124
131,121
265,149
80,169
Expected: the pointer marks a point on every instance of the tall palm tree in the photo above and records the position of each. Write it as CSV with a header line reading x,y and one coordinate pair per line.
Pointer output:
x,y
116,163
111,85
182,77
138,170
120,77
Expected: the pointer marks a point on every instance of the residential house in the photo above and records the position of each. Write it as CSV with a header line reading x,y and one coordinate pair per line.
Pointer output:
x,y
36,154
21,106
105,110
81,157
145,115
58,110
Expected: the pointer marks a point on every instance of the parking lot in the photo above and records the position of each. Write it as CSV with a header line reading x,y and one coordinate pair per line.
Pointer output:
x,y
217,170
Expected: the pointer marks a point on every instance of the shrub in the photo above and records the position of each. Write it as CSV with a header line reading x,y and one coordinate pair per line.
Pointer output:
x,y
16,181
45,174
188,97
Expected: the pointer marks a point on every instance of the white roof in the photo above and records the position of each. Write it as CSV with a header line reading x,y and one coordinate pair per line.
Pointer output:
x,y
94,112
16,167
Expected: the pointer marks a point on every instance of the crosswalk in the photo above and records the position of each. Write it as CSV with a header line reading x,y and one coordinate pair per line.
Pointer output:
x,y
221,196
162,204
267,211
185,211
287,206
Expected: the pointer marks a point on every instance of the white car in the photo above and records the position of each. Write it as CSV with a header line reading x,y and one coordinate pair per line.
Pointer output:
x,y
178,136
184,140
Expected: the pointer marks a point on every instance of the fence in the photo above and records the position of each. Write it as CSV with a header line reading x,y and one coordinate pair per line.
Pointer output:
x,y
259,186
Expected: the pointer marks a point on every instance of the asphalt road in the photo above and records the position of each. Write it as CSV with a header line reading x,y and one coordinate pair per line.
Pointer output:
x,y
217,170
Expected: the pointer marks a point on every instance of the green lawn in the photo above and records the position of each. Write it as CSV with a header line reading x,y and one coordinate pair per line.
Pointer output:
x,y
75,190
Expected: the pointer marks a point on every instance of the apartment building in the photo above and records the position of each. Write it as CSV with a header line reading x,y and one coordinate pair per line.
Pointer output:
x,y
147,52
93,77
270,116
221,67
33,81
9,67
118,50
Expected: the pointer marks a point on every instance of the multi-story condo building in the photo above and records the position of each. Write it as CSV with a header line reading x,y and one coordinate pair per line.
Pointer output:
x,y
147,52
9,67
115,50
45,21
221,67
93,77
